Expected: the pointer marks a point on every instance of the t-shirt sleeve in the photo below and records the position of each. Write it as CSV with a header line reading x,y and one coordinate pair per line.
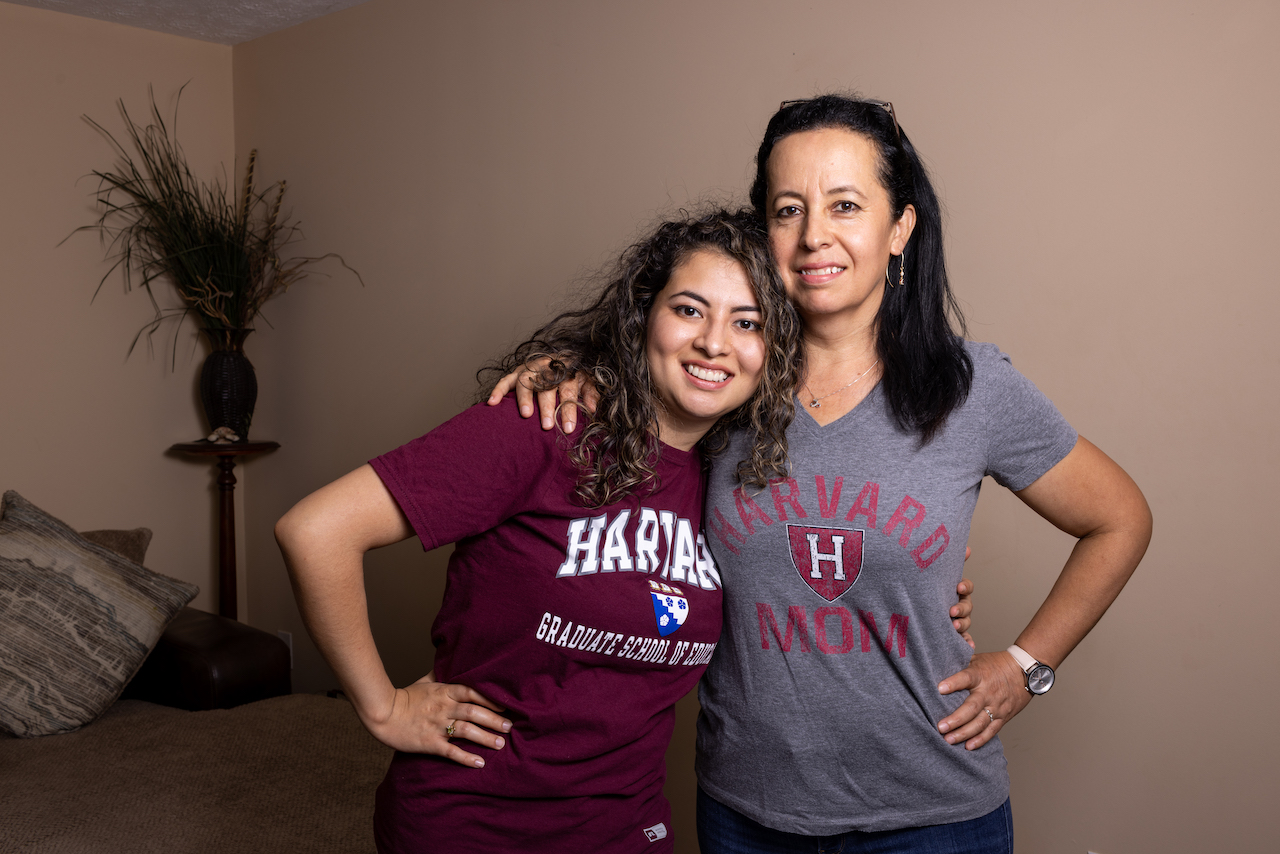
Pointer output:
x,y
471,473
1026,435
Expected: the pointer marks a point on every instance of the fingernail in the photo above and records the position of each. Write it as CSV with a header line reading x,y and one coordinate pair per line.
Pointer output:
x,y
943,727
944,687
498,742
506,726
526,411
546,424
951,739
479,763
568,428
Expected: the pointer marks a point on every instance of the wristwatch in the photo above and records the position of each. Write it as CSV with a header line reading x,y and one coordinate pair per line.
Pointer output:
x,y
1039,676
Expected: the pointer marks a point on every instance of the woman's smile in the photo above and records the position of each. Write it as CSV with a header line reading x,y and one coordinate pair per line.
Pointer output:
x,y
712,377
815,274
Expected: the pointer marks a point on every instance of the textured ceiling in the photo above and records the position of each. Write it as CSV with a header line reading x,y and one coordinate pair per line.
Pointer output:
x,y
221,21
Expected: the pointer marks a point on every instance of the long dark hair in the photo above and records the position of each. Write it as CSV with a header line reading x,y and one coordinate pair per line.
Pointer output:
x,y
927,372
617,450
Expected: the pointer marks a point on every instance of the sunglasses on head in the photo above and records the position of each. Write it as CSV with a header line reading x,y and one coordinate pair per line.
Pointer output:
x,y
897,132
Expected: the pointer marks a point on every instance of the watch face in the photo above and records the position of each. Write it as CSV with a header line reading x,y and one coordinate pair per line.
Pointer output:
x,y
1040,679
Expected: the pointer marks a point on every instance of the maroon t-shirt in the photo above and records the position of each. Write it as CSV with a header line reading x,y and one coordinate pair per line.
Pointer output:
x,y
586,624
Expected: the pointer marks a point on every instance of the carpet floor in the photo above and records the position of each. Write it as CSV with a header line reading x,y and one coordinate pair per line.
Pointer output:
x,y
289,774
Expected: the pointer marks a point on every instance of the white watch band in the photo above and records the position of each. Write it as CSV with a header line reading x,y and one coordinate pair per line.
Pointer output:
x,y
1020,655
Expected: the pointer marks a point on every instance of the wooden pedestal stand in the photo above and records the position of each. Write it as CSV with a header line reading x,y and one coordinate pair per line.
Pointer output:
x,y
226,461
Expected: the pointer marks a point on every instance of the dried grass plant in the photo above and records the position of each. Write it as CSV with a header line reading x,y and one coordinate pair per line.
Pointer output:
x,y
159,222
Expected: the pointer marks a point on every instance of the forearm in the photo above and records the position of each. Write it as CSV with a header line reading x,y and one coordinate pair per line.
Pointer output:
x,y
1089,496
329,589
324,539
1094,575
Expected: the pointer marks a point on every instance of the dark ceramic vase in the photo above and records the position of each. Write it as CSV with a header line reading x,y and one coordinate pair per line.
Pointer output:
x,y
228,387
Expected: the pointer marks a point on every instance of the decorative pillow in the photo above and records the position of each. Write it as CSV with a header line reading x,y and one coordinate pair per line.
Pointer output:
x,y
76,621
131,545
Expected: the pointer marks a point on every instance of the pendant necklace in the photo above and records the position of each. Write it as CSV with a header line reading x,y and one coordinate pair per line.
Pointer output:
x,y
814,404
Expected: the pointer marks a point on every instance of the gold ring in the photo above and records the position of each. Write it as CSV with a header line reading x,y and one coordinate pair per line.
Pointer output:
x,y
448,731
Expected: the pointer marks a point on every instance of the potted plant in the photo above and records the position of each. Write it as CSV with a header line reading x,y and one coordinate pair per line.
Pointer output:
x,y
221,253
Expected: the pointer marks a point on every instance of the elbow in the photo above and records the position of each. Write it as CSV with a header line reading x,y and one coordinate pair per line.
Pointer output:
x,y
1125,524
1139,518
285,530
1134,519
291,531
1145,522
1148,520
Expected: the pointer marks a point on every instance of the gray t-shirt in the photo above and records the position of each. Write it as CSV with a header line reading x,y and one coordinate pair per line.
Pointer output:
x,y
820,707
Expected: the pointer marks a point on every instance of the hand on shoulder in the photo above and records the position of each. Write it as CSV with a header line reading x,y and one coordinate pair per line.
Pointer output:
x,y
568,391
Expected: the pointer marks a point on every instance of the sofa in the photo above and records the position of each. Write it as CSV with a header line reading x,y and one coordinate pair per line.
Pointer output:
x,y
195,746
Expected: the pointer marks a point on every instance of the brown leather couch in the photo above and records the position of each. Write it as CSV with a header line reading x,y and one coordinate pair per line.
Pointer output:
x,y
203,661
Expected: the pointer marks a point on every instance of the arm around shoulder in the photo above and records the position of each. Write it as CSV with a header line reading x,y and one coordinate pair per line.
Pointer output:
x,y
549,401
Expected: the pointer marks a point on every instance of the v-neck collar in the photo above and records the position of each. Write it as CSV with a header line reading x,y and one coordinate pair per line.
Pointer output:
x,y
812,425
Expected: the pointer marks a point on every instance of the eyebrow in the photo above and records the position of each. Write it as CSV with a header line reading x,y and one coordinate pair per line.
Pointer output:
x,y
834,191
699,298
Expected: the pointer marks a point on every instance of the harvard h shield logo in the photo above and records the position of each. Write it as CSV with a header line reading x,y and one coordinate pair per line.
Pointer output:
x,y
828,559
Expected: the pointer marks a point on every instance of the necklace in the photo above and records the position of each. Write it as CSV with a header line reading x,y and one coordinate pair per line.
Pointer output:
x,y
814,404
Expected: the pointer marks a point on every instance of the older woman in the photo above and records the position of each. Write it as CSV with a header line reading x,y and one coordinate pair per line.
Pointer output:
x,y
840,709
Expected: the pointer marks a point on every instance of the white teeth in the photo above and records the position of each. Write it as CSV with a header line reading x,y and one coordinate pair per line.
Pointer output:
x,y
704,374
823,271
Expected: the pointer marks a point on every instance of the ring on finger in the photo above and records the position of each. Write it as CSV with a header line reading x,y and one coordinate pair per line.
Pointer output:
x,y
993,717
448,731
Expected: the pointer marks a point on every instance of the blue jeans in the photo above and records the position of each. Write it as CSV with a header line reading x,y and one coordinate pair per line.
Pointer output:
x,y
722,830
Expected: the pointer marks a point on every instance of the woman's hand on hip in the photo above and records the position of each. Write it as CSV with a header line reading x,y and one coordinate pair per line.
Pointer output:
x,y
997,691
430,716
521,381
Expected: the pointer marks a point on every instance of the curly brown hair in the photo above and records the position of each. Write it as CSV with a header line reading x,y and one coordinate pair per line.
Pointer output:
x,y
617,450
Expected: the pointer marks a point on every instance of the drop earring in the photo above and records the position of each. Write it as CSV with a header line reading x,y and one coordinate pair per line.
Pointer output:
x,y
902,267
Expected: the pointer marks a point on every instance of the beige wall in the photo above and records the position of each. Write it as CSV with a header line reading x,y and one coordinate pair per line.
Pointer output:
x,y
83,432
1108,171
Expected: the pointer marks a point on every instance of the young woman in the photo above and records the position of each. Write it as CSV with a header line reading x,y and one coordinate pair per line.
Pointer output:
x,y
840,712
581,601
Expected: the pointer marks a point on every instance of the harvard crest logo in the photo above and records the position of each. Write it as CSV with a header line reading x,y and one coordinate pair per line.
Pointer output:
x,y
670,607
828,559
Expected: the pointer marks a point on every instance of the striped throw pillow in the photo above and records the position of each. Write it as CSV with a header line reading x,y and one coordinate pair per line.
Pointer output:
x,y
76,621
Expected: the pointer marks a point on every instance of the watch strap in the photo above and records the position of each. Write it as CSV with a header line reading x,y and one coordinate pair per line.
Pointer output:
x,y
1024,659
